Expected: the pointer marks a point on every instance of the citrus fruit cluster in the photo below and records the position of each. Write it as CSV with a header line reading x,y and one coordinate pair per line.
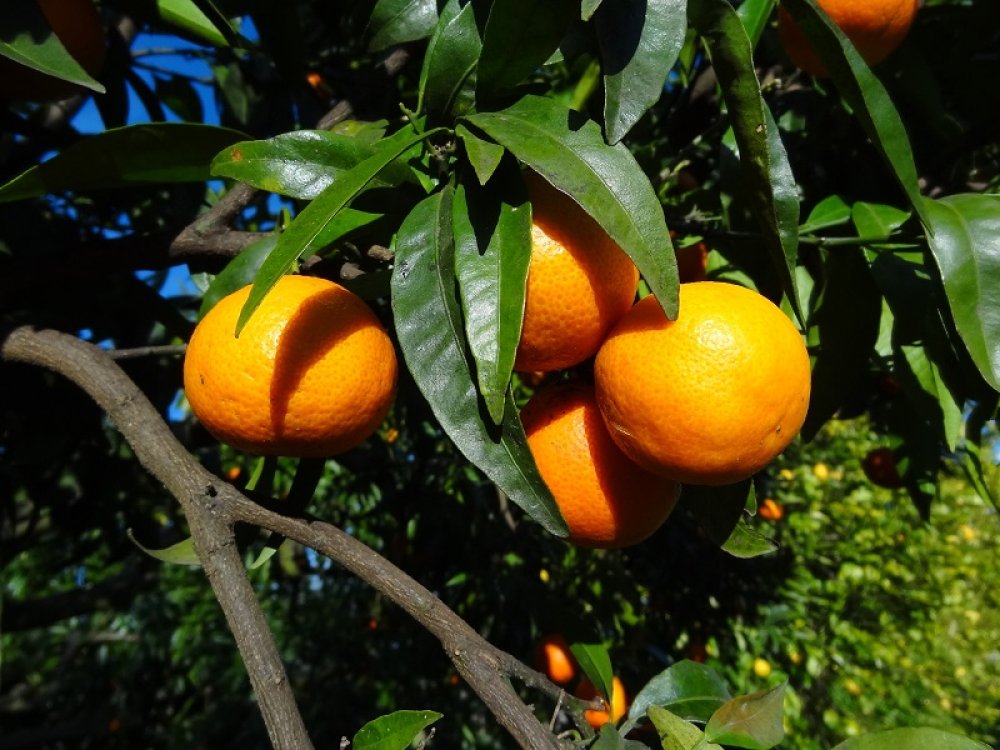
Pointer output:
x,y
312,374
710,398
555,660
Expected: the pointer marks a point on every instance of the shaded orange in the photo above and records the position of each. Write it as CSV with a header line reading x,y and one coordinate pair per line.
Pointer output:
x,y
710,398
880,468
607,500
580,283
554,659
77,25
619,702
875,28
313,373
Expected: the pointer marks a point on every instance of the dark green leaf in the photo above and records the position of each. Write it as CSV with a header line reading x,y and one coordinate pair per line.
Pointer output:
x,y
610,738
520,35
308,473
492,250
966,247
187,15
876,220
863,92
314,219
595,662
769,181
677,734
395,731
755,14
484,156
588,8
639,42
301,164
750,721
431,335
975,453
570,152
397,21
181,553
448,76
179,94
126,157
719,512
829,212
917,738
690,690
238,273
26,38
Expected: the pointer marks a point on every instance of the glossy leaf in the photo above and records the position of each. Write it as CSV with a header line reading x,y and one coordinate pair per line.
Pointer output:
x,y
314,219
755,15
126,157
768,175
301,164
690,690
395,731
398,21
431,335
947,413
829,212
966,249
492,250
639,41
719,512
448,75
751,721
677,734
915,738
595,662
181,553
238,273
570,152
484,156
186,15
863,92
520,35
26,38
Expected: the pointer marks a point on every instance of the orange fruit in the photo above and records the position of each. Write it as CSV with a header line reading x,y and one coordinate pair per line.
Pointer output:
x,y
875,28
692,263
607,500
77,24
312,374
880,468
771,511
710,398
554,659
580,283
619,702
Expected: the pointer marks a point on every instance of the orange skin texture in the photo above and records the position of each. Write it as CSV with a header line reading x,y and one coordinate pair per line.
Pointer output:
x,y
312,374
607,500
710,398
554,659
880,468
874,28
619,703
580,283
77,24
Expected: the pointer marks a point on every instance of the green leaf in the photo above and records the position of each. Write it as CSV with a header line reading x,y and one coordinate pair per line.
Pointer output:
x,y
179,94
973,453
187,15
863,92
26,38
751,721
610,738
770,184
690,690
570,152
484,156
520,35
431,335
755,15
303,163
397,21
181,553
912,738
595,662
588,8
966,248
948,413
829,212
877,220
720,513
677,734
314,219
448,75
238,273
492,250
126,157
639,41
395,731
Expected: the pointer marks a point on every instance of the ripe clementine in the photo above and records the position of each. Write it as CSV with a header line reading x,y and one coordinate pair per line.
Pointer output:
x,y
554,659
710,398
77,25
875,28
580,283
312,374
607,500
880,468
770,510
619,702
